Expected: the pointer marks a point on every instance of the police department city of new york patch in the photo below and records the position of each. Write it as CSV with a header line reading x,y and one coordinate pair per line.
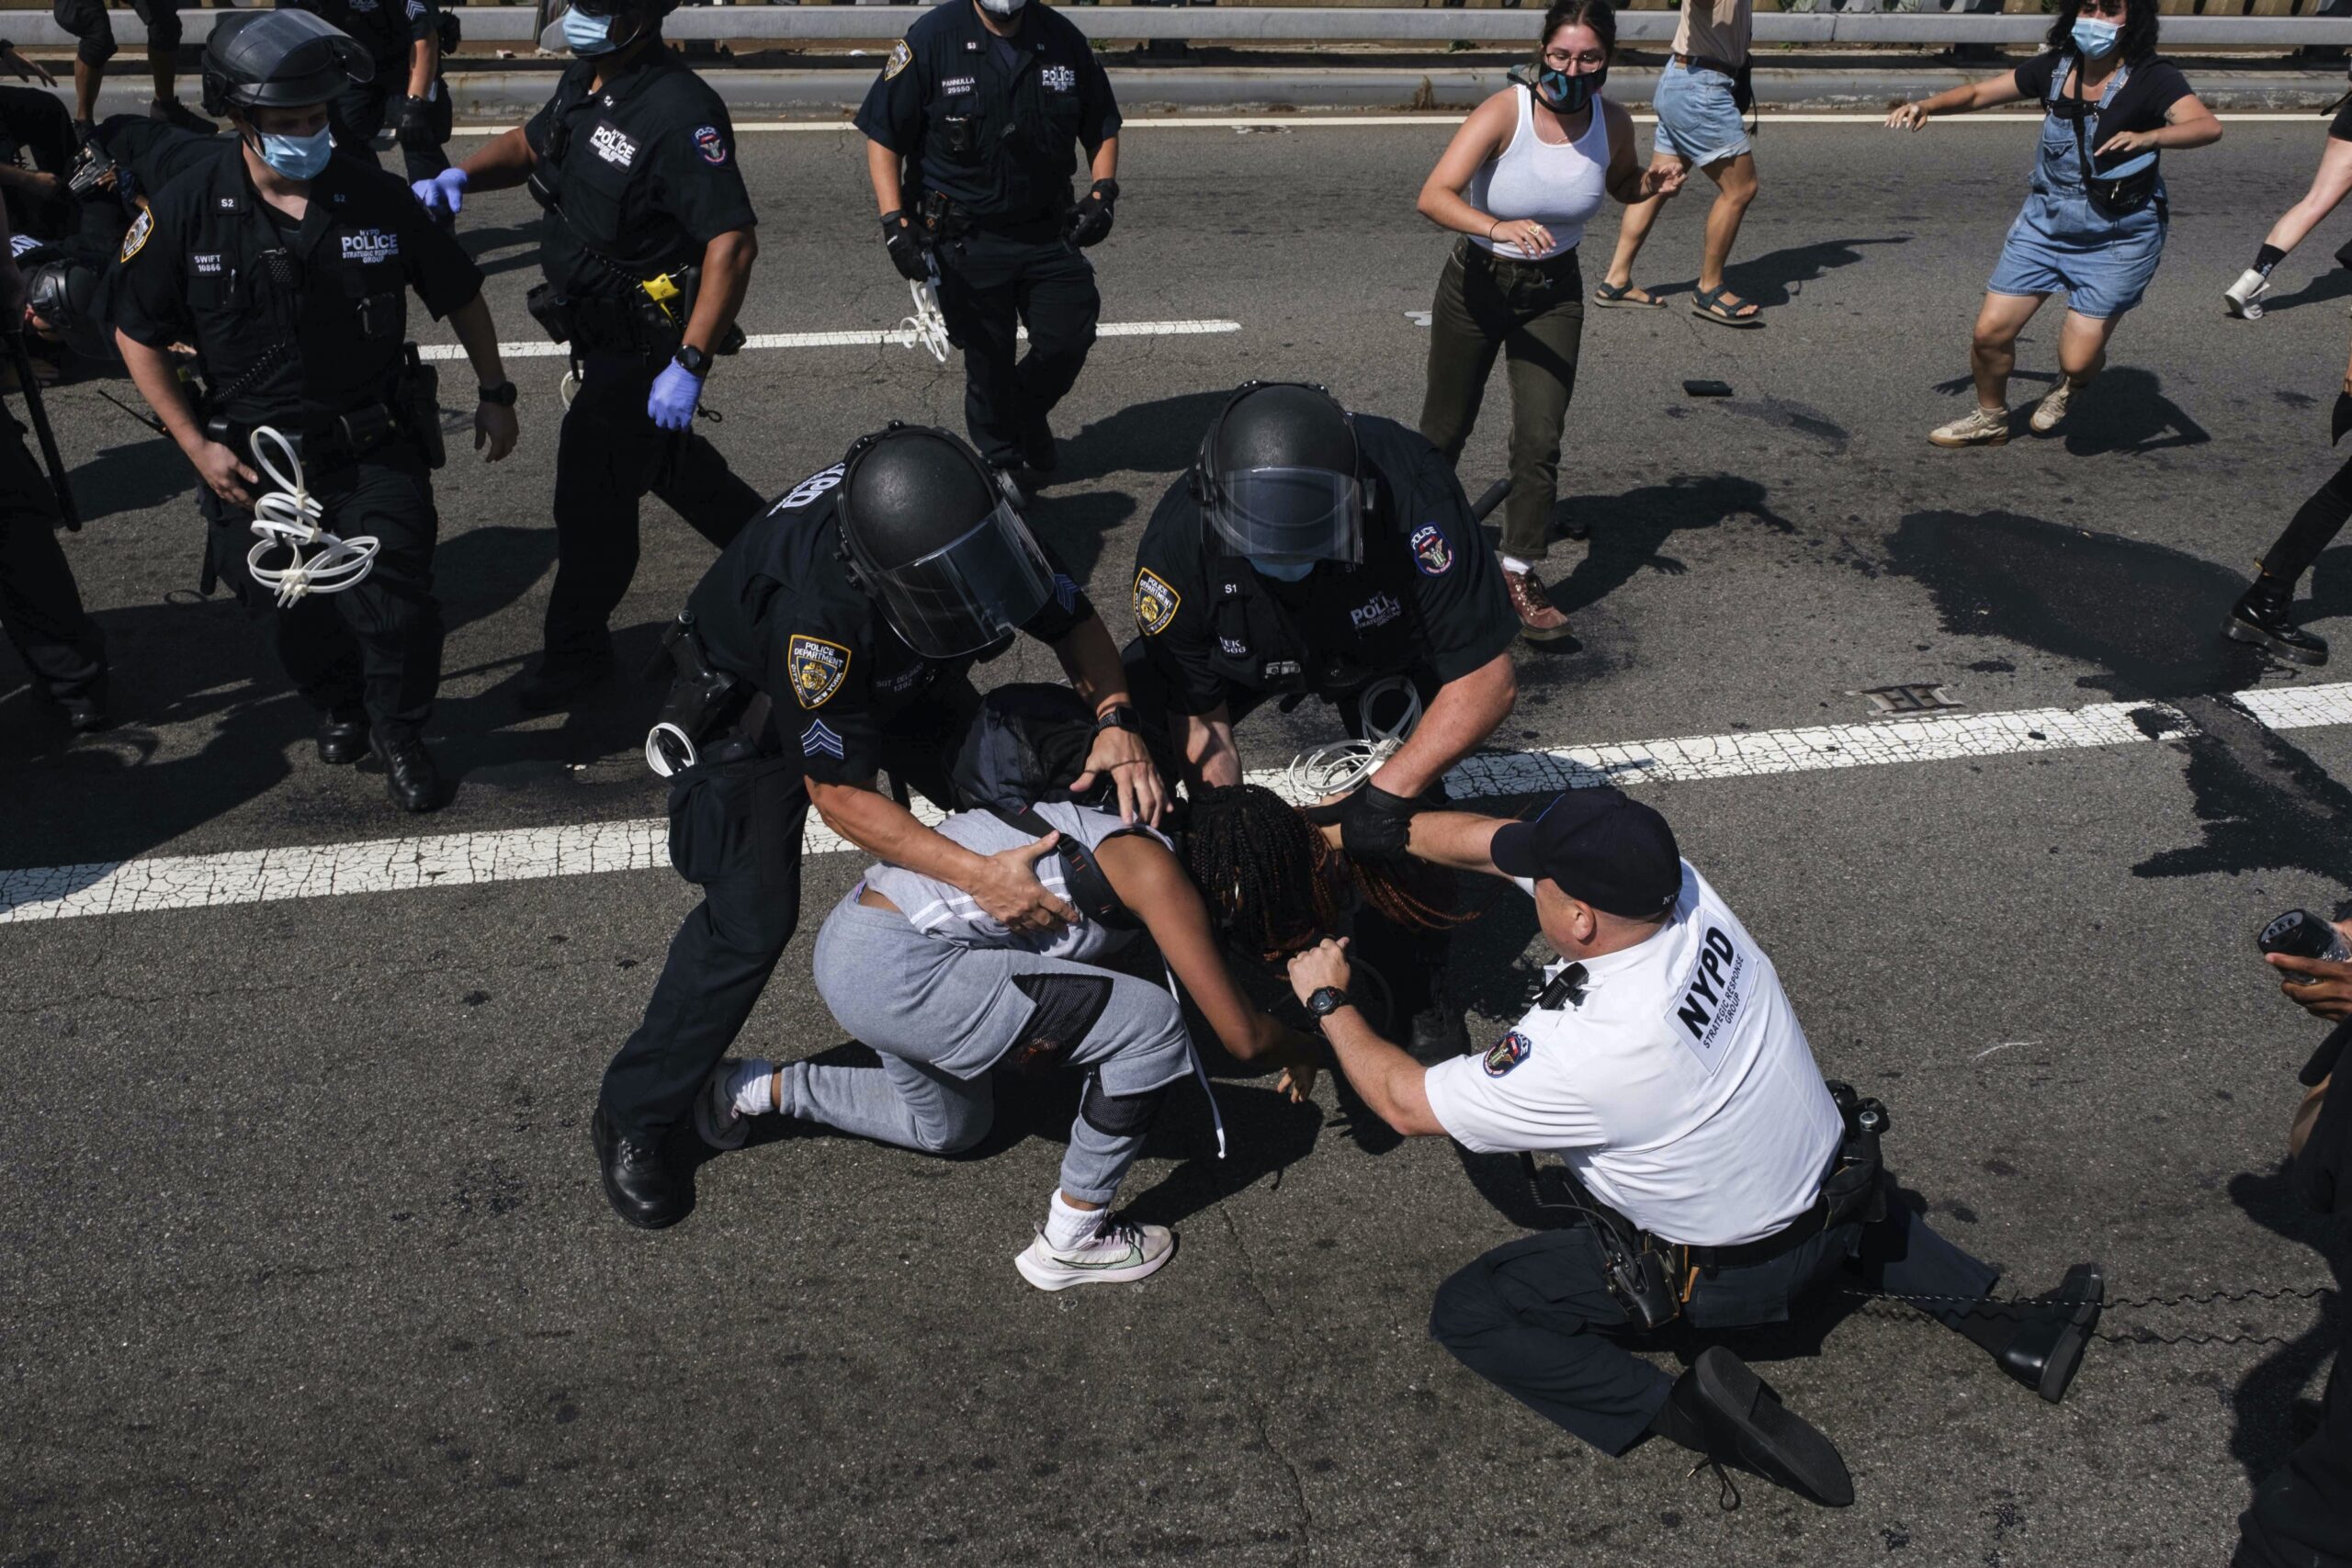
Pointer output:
x,y
143,228
818,669
1432,557
710,144
900,58
1155,602
1507,1052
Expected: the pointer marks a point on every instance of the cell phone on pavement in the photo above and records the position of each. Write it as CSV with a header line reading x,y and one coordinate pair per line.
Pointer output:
x,y
1707,389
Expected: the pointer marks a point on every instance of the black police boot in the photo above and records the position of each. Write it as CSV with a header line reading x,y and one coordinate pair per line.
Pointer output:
x,y
409,778
638,1183
560,679
2053,1331
83,712
2266,618
1746,1425
1039,453
1438,1033
343,737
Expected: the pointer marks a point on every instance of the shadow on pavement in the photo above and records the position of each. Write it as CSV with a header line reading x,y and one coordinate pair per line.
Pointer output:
x,y
1776,278
1074,527
1159,437
2265,1402
2333,283
1628,530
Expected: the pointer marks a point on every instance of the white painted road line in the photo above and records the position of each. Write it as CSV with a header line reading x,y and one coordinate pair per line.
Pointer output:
x,y
902,336
2300,708
391,865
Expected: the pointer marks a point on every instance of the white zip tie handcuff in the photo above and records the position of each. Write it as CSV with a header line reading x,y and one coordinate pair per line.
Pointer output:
x,y
1340,767
927,327
289,517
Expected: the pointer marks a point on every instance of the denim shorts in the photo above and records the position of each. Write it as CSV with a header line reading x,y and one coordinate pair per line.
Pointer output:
x,y
2058,243
1696,119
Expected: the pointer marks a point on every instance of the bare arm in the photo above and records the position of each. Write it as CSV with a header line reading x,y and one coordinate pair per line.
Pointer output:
x,y
1394,1085
1206,742
495,423
1629,179
2188,123
423,56
1481,135
1966,98
1091,660
504,161
2307,1116
1150,881
882,168
1005,886
726,275
1464,712
1104,158
152,373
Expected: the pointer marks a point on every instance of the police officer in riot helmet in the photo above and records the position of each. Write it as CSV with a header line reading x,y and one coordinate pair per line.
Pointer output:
x,y
970,129
287,265
832,641
1313,551
647,250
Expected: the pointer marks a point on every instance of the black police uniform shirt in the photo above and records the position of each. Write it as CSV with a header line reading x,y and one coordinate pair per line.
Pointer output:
x,y
643,173
994,124
387,29
1427,596
290,323
778,609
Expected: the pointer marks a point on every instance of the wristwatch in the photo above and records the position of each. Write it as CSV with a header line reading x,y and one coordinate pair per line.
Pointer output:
x,y
693,361
503,394
1327,1000
1120,717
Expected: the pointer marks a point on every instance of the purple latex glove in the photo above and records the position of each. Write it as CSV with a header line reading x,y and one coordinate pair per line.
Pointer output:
x,y
445,192
675,392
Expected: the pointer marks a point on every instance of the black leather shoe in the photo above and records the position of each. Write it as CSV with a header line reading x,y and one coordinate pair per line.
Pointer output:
x,y
1438,1033
1039,453
2266,621
639,1182
409,778
2048,1350
1748,1425
343,738
83,712
558,681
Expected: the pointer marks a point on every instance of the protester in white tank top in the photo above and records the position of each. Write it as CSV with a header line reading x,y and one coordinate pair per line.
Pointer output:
x,y
1519,182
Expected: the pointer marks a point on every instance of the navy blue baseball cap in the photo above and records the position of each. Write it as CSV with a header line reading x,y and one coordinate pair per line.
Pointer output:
x,y
1597,845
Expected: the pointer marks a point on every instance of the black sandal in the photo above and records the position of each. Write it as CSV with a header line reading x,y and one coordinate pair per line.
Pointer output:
x,y
1620,297
1708,304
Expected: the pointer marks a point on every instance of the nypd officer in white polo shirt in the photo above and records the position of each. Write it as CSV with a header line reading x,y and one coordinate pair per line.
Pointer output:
x,y
1718,1177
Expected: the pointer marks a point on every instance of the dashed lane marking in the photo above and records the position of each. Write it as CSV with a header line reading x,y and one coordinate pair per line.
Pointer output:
x,y
451,860
903,337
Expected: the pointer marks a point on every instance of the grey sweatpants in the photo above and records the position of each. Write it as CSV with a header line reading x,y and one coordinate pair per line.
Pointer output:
x,y
941,1015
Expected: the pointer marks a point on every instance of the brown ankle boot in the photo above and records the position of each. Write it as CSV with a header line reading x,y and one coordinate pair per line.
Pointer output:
x,y
1538,621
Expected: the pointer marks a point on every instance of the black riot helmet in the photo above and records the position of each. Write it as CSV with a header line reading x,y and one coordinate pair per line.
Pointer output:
x,y
269,60
934,538
1280,477
62,297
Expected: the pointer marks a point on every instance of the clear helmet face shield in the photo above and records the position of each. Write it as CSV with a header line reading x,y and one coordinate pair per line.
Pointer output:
x,y
972,592
1288,514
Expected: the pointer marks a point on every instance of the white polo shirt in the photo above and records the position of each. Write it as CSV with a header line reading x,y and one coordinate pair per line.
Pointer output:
x,y
1681,1090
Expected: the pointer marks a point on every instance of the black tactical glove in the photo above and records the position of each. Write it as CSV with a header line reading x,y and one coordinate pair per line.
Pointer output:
x,y
906,248
2343,420
414,132
1090,220
1374,824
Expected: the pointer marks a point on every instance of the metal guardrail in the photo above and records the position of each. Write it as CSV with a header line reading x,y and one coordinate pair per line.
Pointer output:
x,y
519,25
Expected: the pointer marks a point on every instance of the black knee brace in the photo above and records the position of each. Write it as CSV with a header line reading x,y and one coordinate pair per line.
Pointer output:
x,y
1063,1008
1119,1115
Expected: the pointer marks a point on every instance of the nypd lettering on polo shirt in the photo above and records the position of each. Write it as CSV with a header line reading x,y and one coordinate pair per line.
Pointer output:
x,y
1432,557
364,245
612,144
1380,609
1712,997
820,739
1059,78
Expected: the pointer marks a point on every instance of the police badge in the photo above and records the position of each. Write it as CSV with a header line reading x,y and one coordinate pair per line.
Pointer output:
x,y
1155,602
142,228
900,58
818,669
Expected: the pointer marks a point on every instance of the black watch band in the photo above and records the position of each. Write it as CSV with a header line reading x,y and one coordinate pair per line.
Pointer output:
x,y
1326,1000
1120,717
503,394
1105,187
693,361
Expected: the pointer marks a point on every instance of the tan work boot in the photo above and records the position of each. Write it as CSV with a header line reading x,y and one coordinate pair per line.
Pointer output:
x,y
1538,621
2052,406
1979,427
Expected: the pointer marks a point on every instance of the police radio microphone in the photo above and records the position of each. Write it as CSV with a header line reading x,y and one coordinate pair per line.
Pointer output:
x,y
2299,933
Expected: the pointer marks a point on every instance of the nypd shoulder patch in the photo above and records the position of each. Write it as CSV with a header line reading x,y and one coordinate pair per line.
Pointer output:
x,y
143,228
1507,1052
818,669
1155,602
900,58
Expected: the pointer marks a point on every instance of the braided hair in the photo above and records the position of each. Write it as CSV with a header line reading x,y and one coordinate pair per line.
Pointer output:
x,y
1274,885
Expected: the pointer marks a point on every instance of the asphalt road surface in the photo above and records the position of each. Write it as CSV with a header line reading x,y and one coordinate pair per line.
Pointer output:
x,y
304,1257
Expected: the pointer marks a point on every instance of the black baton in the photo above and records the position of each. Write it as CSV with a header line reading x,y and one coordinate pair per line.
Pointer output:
x,y
41,432
1480,508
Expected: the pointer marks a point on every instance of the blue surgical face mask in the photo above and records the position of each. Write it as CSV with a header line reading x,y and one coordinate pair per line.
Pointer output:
x,y
585,35
2097,40
296,157
1283,571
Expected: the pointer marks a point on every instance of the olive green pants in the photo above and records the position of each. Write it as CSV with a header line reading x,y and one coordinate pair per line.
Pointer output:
x,y
1533,313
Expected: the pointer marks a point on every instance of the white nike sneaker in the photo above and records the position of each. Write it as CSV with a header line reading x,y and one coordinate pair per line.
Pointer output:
x,y
715,1118
1115,1255
2244,298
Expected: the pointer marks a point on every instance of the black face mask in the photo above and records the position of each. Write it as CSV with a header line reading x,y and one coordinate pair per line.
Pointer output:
x,y
1564,94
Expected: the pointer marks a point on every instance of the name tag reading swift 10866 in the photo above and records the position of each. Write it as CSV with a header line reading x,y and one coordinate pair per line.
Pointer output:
x,y
1712,997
